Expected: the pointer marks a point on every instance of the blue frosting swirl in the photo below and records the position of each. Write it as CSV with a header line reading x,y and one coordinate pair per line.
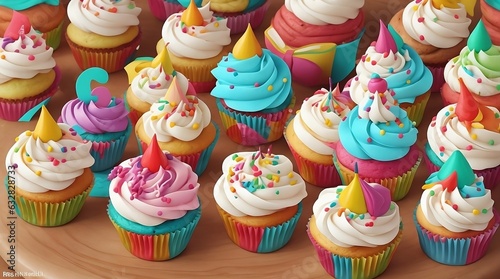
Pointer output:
x,y
20,5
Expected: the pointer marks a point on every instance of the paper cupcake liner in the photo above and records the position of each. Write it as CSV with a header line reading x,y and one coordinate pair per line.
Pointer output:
x,y
320,175
416,111
437,78
238,23
491,176
455,251
199,74
199,160
159,247
254,129
162,9
203,86
53,37
45,214
399,185
12,110
260,239
108,153
110,59
348,268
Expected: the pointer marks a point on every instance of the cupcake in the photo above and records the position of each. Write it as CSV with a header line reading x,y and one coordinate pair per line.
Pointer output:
x,y
478,65
98,118
490,11
196,40
313,133
28,72
52,176
183,126
378,136
473,129
259,198
406,75
355,229
238,13
104,34
154,215
149,81
253,92
46,16
317,39
455,219
437,30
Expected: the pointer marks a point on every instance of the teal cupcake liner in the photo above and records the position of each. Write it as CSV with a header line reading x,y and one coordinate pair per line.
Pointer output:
x,y
277,237
205,155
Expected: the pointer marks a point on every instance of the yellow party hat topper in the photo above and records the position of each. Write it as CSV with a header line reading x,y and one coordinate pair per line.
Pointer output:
x,y
46,128
468,4
163,59
191,16
247,46
352,196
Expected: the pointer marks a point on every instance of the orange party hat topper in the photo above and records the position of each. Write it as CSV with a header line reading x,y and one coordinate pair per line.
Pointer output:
x,y
163,59
468,4
247,46
46,128
154,158
385,42
19,25
191,16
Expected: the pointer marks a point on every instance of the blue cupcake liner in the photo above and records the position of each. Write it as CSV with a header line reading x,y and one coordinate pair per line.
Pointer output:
x,y
207,153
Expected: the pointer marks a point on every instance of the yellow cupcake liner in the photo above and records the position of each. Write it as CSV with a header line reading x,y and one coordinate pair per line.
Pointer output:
x,y
53,37
416,111
45,214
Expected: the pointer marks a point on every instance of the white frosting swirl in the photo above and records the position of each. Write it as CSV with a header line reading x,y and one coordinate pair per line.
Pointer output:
x,y
151,84
376,108
196,42
258,187
473,67
316,123
437,206
103,17
53,165
322,12
25,57
169,121
440,27
446,134
348,229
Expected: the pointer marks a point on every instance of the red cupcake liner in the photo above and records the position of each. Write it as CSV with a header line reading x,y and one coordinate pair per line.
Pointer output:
x,y
162,9
437,77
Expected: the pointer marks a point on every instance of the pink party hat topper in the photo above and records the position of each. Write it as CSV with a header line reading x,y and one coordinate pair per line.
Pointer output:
x,y
377,84
360,197
153,157
18,26
174,95
385,42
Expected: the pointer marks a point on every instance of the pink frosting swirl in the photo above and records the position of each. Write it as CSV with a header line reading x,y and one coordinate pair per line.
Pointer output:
x,y
151,198
96,119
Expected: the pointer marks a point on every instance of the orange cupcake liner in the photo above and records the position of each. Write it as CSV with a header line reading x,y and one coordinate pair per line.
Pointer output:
x,y
416,111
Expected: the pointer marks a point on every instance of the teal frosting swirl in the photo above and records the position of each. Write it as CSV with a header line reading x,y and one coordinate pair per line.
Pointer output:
x,y
26,4
260,83
363,138
494,3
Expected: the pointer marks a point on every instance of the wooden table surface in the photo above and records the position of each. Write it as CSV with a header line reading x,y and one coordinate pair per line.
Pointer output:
x,y
89,246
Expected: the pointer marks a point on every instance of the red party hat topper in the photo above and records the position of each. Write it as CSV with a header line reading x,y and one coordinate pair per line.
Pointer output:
x,y
450,183
19,25
154,158
467,109
385,42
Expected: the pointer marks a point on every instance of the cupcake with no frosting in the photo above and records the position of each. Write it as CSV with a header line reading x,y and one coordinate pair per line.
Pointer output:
x,y
259,198
378,136
313,133
455,219
28,72
153,204
196,41
436,29
253,92
355,229
396,62
471,128
52,175
103,34
99,119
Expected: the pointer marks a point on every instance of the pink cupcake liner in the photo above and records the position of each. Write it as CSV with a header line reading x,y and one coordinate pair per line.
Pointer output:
x,y
437,77
203,86
238,23
12,110
162,9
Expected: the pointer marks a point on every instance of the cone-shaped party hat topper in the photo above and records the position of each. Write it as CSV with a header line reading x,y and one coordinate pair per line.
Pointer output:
x,y
46,128
247,45
385,42
154,158
191,16
360,197
174,94
467,109
164,59
459,164
19,25
479,39
468,4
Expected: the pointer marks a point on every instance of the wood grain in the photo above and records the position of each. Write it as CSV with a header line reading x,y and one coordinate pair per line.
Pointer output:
x,y
89,247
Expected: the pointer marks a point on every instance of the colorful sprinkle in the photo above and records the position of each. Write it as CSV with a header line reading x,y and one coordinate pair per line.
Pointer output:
x,y
432,193
270,88
475,212
484,211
